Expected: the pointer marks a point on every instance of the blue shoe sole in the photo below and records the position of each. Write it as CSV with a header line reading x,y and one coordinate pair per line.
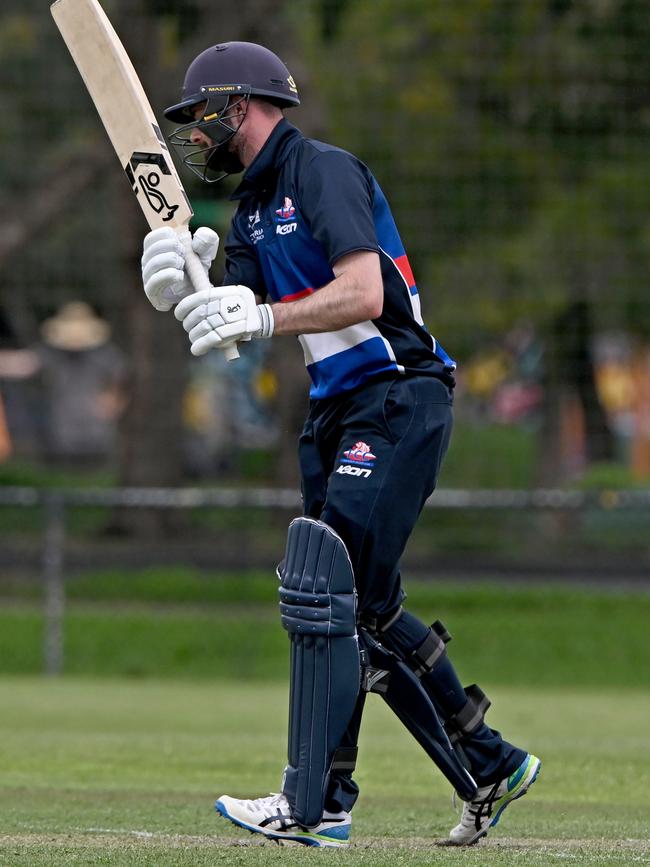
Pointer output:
x,y
479,836
305,840
515,797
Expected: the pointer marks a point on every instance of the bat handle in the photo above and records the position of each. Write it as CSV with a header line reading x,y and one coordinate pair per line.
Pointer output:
x,y
200,280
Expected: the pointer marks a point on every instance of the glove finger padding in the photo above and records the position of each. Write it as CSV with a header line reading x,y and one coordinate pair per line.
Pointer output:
x,y
192,302
162,241
210,341
205,244
163,260
165,287
200,330
220,316
198,315
215,324
163,263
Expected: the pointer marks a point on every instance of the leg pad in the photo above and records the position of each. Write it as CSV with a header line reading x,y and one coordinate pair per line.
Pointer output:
x,y
404,693
318,610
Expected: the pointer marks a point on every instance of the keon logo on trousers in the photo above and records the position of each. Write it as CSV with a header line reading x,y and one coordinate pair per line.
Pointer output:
x,y
357,461
349,470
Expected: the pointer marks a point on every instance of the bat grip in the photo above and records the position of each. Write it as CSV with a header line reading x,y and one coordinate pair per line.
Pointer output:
x,y
200,280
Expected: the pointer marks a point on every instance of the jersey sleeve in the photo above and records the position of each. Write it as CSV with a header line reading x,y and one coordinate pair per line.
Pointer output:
x,y
242,265
337,201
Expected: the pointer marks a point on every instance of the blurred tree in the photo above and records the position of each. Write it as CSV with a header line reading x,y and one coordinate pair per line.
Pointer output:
x,y
70,208
162,37
509,137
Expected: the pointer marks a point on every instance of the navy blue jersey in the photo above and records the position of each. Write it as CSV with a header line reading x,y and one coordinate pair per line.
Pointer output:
x,y
303,205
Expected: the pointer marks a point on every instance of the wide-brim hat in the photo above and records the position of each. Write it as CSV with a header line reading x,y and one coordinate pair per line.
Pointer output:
x,y
75,327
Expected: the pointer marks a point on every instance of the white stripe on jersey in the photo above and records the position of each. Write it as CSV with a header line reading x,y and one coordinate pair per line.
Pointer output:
x,y
320,346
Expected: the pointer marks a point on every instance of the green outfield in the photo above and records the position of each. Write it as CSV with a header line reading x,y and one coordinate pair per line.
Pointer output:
x,y
175,693
124,772
182,623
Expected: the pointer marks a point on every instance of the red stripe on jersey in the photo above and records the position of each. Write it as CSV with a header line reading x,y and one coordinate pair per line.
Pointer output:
x,y
402,263
303,293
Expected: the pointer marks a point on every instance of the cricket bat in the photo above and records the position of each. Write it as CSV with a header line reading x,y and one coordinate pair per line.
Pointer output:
x,y
129,120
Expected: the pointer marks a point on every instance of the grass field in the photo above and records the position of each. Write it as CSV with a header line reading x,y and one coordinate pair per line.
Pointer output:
x,y
175,693
178,623
124,772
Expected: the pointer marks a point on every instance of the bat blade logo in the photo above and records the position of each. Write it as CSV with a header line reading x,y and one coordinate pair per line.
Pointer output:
x,y
150,181
156,198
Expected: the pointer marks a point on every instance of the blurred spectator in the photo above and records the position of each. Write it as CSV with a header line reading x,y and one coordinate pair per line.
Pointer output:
x,y
614,353
519,397
84,377
504,382
21,403
82,384
247,389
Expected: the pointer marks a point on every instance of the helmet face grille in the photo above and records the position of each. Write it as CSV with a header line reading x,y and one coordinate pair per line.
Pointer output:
x,y
212,163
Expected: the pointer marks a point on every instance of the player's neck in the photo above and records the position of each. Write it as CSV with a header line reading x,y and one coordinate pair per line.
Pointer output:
x,y
256,137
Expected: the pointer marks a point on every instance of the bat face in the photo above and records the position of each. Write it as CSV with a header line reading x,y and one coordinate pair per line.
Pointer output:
x,y
130,123
124,110
151,176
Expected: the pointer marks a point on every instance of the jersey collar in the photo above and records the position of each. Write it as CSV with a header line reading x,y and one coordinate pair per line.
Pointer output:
x,y
260,174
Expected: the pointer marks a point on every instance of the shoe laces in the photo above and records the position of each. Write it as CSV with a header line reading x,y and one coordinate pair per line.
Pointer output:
x,y
476,810
268,804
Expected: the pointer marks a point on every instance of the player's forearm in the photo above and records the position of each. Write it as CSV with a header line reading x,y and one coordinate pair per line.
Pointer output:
x,y
355,295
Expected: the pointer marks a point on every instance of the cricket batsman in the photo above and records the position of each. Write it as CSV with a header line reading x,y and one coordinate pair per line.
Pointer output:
x,y
314,251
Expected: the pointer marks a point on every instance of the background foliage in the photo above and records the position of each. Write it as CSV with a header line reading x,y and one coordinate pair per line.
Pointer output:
x,y
509,136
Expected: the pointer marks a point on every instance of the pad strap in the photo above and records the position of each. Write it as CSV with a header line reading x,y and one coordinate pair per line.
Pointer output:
x,y
345,759
396,682
424,658
467,720
376,624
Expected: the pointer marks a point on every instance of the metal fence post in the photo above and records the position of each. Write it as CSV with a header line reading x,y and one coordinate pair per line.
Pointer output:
x,y
53,584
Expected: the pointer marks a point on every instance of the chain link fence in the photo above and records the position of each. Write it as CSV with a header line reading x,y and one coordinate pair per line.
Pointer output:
x,y
55,503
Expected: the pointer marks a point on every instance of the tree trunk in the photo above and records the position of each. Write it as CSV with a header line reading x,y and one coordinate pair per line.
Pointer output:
x,y
151,434
570,382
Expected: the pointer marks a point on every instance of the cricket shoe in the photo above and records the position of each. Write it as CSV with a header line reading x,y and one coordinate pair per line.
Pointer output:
x,y
485,809
272,817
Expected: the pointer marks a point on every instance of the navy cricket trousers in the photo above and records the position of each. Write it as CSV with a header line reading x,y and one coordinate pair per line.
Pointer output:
x,y
369,460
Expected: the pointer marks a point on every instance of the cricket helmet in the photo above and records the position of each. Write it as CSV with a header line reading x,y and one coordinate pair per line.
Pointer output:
x,y
223,78
231,69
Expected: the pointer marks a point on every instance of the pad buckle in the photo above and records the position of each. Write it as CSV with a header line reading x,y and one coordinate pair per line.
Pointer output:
x,y
375,624
424,658
345,759
470,716
375,680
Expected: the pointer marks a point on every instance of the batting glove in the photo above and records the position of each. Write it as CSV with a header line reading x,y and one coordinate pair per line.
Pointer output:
x,y
220,316
163,263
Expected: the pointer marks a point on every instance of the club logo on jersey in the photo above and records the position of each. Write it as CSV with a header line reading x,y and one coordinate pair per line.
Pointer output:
x,y
286,212
357,461
253,220
285,217
149,181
